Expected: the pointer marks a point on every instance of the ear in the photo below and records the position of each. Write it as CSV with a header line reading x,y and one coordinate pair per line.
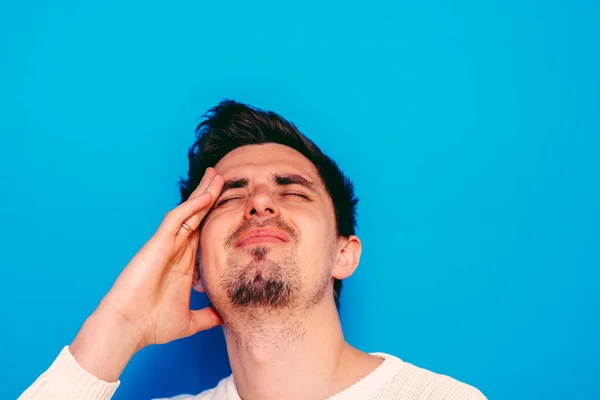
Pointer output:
x,y
347,258
198,286
197,281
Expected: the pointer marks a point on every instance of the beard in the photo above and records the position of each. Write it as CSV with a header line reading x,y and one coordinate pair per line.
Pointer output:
x,y
262,282
263,301
263,278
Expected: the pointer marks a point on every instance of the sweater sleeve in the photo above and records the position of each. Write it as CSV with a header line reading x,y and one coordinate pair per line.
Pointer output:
x,y
67,380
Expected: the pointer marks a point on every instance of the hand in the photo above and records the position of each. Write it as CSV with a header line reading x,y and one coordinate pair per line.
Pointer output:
x,y
150,301
153,291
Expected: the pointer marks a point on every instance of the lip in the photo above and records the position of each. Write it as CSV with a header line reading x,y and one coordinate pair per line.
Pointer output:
x,y
255,235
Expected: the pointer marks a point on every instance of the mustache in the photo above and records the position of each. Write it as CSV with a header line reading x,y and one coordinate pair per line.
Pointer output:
x,y
252,223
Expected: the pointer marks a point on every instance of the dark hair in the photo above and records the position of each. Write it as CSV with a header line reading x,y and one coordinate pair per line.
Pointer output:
x,y
231,124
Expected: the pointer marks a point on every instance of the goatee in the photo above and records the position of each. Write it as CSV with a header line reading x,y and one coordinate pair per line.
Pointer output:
x,y
262,282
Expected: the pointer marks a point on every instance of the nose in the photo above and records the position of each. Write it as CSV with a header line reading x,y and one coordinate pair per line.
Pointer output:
x,y
261,204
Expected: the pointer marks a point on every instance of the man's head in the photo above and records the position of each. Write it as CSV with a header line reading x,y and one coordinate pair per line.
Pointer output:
x,y
281,232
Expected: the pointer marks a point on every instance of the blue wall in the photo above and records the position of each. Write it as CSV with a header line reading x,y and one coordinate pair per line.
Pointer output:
x,y
471,131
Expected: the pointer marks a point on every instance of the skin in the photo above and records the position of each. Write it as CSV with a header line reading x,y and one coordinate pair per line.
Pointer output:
x,y
277,340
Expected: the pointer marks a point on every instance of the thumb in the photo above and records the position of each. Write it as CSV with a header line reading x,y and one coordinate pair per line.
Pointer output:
x,y
204,319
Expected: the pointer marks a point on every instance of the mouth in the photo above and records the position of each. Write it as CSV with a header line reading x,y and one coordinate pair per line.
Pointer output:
x,y
262,235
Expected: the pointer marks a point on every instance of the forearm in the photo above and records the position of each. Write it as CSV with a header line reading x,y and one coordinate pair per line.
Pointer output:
x,y
104,345
66,380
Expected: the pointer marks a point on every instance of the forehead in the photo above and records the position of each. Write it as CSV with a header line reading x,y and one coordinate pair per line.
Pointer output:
x,y
265,158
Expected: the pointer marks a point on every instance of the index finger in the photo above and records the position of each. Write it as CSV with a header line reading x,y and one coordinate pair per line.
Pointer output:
x,y
209,175
193,209
214,188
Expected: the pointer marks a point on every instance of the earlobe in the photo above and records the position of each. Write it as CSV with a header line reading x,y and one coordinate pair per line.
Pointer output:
x,y
197,281
198,286
348,257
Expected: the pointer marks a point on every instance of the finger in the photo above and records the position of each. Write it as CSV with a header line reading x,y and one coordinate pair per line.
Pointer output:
x,y
209,174
175,218
214,189
203,319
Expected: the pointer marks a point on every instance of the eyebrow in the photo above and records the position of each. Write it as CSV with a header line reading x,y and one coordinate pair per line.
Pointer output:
x,y
281,180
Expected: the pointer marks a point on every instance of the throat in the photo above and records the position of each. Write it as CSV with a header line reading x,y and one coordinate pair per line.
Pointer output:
x,y
264,333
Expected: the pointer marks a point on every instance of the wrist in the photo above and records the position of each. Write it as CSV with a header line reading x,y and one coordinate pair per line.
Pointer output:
x,y
104,345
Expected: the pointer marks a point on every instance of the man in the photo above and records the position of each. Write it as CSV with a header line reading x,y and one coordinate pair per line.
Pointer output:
x,y
266,229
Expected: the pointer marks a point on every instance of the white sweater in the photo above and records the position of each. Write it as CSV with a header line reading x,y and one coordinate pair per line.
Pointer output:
x,y
392,379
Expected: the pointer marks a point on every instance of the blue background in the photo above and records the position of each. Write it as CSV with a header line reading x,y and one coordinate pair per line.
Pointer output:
x,y
471,131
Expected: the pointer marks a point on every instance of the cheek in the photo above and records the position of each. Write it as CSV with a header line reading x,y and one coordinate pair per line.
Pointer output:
x,y
318,240
211,250
215,229
319,223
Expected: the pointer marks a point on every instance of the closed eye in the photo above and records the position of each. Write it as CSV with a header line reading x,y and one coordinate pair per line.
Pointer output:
x,y
283,194
295,194
226,200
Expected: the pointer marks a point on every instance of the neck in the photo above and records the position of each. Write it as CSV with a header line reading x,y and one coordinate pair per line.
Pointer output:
x,y
274,354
